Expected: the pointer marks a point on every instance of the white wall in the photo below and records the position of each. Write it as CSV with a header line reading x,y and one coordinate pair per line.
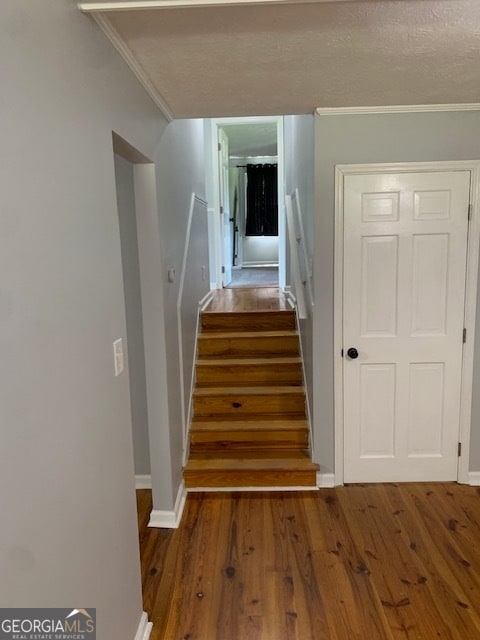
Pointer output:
x,y
259,250
180,157
407,137
68,531
299,174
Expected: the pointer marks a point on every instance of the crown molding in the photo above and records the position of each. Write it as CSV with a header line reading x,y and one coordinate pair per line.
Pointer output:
x,y
131,5
407,108
121,46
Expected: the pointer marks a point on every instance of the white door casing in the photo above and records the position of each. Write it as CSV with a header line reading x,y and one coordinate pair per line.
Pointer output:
x,y
217,227
226,223
404,254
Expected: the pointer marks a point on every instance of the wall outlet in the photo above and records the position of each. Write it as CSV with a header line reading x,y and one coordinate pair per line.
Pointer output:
x,y
118,357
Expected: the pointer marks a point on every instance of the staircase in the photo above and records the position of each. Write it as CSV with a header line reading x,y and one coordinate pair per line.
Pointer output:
x,y
249,426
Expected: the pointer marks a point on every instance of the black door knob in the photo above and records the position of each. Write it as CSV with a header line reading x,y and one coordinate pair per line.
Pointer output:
x,y
352,353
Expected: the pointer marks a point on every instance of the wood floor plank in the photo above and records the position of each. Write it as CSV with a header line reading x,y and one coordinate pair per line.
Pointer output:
x,y
361,562
462,577
351,581
400,589
443,592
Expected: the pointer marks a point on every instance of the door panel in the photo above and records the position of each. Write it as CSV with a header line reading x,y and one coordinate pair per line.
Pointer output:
x,y
427,382
377,417
405,239
379,286
429,284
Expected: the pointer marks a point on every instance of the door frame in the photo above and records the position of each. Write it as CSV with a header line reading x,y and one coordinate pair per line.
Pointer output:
x,y
473,245
218,123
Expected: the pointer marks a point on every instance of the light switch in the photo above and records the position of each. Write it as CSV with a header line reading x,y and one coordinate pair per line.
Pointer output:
x,y
118,357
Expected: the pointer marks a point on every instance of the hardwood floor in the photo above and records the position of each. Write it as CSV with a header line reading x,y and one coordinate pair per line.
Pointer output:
x,y
370,562
255,299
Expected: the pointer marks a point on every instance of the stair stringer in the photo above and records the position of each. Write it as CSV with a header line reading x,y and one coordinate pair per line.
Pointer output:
x,y
292,300
202,305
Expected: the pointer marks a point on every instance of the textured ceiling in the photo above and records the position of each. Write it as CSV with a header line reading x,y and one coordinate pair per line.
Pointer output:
x,y
291,58
252,139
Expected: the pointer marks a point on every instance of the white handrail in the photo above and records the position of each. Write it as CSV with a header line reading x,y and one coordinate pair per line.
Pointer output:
x,y
306,272
188,315
294,261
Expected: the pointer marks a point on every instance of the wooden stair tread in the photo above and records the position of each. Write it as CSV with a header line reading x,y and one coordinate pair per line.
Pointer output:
x,y
215,321
251,345
230,463
252,391
254,312
299,424
245,335
243,362
232,418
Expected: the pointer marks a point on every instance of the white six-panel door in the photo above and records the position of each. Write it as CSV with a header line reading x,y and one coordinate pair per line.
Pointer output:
x,y
405,243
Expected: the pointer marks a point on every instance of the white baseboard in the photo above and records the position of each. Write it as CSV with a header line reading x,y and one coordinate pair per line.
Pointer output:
x,y
144,628
474,478
231,489
170,519
260,264
325,480
143,482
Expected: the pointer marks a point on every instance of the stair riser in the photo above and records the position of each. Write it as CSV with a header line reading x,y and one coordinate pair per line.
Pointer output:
x,y
232,441
280,321
209,346
260,437
249,375
249,405
244,448
249,479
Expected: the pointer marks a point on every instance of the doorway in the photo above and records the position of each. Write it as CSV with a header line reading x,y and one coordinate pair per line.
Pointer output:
x,y
242,255
404,284
125,159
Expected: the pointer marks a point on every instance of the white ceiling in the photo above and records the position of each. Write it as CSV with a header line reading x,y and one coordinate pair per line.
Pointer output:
x,y
246,140
270,59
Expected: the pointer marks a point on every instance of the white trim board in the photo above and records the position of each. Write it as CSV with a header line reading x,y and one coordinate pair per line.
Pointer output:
x,y
407,108
256,488
130,5
170,519
217,233
144,628
325,480
122,48
474,478
143,481
470,297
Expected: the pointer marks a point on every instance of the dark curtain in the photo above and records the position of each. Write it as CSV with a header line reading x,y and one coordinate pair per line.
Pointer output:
x,y
262,204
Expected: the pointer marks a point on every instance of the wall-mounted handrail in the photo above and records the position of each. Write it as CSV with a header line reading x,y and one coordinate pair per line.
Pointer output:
x,y
303,257
297,283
